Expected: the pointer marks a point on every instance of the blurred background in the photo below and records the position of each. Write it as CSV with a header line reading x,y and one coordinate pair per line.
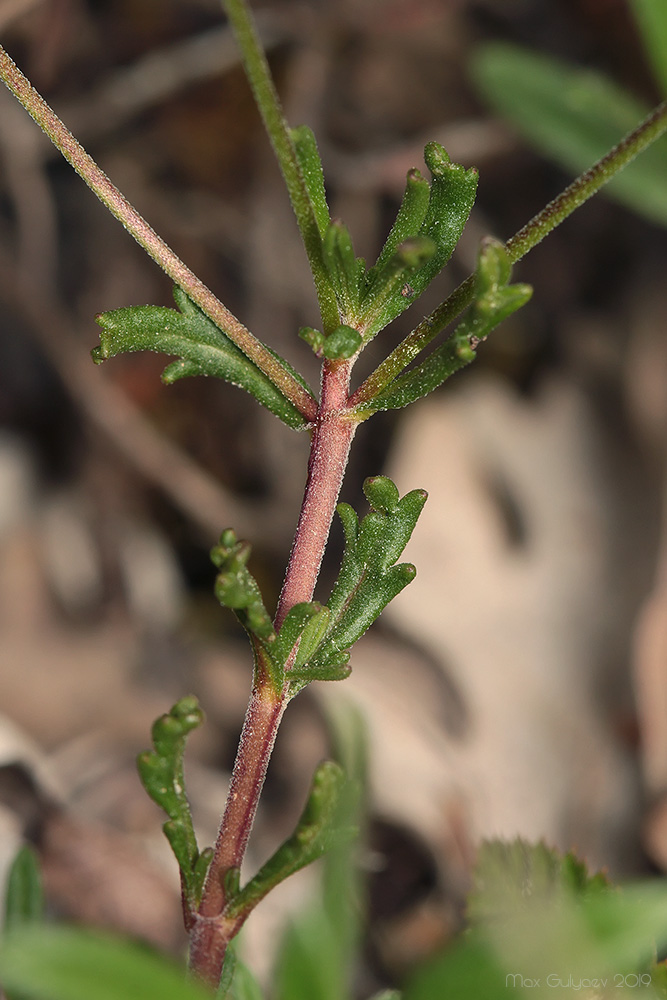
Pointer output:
x,y
519,685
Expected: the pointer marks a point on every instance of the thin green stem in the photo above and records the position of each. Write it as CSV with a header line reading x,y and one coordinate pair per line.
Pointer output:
x,y
590,182
518,246
137,226
267,100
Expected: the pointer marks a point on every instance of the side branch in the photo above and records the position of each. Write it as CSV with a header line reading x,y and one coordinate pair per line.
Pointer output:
x,y
579,191
137,226
588,184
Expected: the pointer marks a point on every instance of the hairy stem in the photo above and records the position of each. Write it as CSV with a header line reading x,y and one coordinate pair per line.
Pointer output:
x,y
332,436
588,184
154,246
579,191
330,447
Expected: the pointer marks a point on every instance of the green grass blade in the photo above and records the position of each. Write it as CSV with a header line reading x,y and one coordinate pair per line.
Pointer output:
x,y
651,18
573,116
24,896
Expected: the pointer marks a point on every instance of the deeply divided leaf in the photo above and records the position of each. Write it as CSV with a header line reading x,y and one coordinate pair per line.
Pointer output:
x,y
317,831
161,773
236,587
201,347
300,634
509,875
494,301
369,577
409,220
432,227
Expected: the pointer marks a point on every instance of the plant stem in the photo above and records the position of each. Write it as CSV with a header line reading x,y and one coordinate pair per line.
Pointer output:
x,y
330,447
268,102
332,436
137,226
590,182
579,191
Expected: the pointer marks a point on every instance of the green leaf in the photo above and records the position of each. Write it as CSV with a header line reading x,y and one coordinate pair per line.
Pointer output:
x,y
409,220
567,944
453,190
291,630
425,233
24,895
509,875
471,970
309,961
369,577
237,981
346,272
392,288
573,116
314,338
651,18
313,175
161,773
317,831
236,587
494,301
61,963
451,197
203,349
344,342
312,636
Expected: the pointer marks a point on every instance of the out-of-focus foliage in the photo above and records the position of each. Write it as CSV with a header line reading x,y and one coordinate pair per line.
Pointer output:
x,y
573,115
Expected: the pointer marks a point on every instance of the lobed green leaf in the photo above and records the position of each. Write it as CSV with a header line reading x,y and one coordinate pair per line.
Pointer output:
x,y
236,587
494,301
392,289
317,831
301,633
409,219
453,190
451,197
202,348
161,773
368,579
511,875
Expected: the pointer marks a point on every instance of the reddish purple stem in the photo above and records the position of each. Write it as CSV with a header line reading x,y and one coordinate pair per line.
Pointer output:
x,y
332,435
